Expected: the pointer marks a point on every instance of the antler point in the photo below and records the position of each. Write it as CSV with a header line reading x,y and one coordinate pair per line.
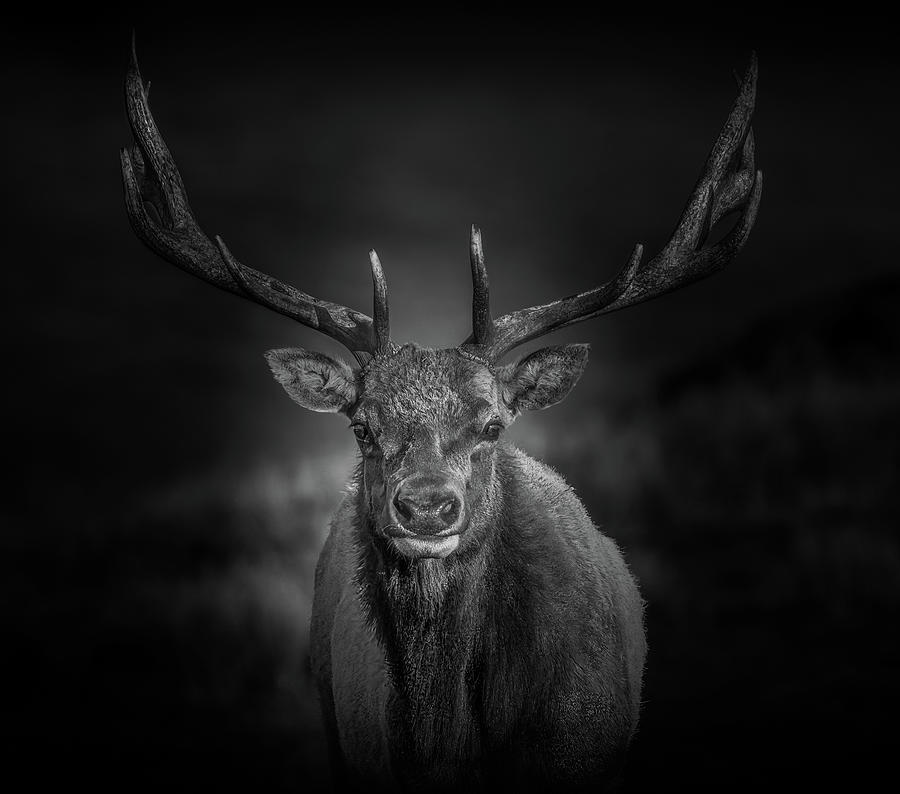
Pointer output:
x,y
752,67
377,272
134,59
380,317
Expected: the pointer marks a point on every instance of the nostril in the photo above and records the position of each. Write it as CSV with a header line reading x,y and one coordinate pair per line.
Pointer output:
x,y
402,507
449,510
426,510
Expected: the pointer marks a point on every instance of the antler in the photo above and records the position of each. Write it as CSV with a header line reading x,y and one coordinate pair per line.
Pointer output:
x,y
729,183
151,178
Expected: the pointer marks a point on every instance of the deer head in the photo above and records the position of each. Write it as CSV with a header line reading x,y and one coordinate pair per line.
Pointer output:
x,y
428,421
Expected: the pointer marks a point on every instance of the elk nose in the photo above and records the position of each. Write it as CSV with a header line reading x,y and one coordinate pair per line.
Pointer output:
x,y
427,508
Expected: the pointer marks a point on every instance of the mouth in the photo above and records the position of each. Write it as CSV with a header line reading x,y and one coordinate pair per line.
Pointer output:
x,y
416,546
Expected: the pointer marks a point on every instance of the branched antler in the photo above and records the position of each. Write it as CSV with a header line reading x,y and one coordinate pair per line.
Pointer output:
x,y
151,179
729,183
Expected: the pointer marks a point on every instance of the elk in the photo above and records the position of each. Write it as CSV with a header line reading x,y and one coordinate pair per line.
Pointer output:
x,y
471,626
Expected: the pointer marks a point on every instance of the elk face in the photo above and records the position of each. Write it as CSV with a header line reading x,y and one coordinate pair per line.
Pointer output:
x,y
427,423
427,420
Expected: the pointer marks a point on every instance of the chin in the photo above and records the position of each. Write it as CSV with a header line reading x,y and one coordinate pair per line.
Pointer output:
x,y
420,547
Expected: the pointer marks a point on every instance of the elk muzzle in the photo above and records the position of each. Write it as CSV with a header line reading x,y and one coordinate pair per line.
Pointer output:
x,y
427,516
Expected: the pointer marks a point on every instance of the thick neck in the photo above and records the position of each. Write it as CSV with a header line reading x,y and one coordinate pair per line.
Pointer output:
x,y
429,617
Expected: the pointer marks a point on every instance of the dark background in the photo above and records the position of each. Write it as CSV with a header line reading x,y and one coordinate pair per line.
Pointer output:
x,y
166,502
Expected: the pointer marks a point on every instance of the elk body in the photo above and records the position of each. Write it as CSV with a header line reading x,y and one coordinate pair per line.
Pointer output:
x,y
471,626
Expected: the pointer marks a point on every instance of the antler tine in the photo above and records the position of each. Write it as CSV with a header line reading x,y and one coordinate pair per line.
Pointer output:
x,y
381,314
482,324
729,182
150,177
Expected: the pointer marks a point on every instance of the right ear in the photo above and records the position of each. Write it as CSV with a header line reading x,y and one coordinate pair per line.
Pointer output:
x,y
314,380
543,378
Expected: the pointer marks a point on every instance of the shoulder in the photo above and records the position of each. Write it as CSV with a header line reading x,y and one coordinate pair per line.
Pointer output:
x,y
334,574
584,612
543,511
534,484
554,559
337,552
556,539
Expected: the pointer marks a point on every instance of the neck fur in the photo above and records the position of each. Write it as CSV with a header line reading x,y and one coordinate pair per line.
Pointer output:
x,y
428,616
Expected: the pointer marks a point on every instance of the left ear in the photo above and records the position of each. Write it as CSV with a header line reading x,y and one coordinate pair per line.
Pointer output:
x,y
543,378
314,380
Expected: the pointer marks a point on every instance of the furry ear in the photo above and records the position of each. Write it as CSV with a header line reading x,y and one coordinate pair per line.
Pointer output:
x,y
544,377
314,380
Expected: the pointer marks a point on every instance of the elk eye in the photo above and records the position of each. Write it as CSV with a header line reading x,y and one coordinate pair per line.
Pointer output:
x,y
362,433
492,430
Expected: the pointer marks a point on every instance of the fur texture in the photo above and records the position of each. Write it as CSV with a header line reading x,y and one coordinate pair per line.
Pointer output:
x,y
516,660
313,380
543,378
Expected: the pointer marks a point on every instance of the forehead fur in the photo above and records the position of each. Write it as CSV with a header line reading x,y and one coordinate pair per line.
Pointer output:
x,y
417,383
